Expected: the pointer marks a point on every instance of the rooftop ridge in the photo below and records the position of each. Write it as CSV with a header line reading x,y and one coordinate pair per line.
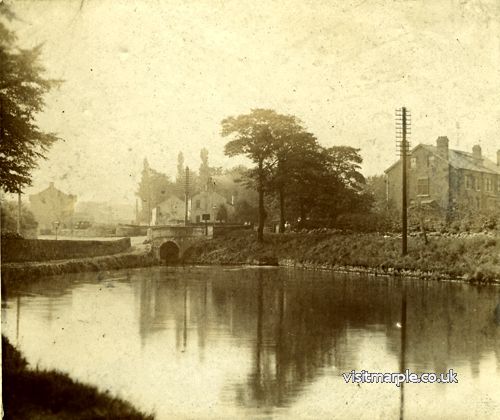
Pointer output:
x,y
459,159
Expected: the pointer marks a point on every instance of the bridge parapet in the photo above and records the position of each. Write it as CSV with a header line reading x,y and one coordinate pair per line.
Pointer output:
x,y
170,242
164,231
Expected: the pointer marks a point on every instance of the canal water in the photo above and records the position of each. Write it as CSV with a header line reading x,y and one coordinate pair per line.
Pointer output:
x,y
211,342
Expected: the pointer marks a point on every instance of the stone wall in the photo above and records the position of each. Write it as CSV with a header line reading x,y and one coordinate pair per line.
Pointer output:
x,y
126,230
24,250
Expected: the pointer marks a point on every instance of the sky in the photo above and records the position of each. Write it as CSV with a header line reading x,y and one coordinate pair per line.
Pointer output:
x,y
151,78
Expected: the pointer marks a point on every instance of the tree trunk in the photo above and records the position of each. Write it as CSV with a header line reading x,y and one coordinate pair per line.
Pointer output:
x,y
262,210
282,210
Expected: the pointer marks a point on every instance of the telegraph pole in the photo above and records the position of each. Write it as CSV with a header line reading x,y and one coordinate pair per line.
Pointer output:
x,y
402,362
403,124
186,195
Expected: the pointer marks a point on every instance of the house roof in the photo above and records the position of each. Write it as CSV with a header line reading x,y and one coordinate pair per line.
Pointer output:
x,y
208,193
51,189
460,160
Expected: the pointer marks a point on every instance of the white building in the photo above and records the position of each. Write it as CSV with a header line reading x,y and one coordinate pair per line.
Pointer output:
x,y
168,212
208,202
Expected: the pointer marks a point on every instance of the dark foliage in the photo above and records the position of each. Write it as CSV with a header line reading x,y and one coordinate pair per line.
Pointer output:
x,y
29,394
9,218
300,178
22,90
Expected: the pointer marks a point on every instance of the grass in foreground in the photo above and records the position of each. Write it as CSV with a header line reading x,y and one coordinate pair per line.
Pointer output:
x,y
36,394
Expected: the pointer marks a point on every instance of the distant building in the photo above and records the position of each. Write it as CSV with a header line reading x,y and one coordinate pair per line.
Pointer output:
x,y
96,212
452,179
169,211
52,205
208,202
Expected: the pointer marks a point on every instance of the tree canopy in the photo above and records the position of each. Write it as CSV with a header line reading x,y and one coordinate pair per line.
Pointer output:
x,y
301,178
22,90
263,136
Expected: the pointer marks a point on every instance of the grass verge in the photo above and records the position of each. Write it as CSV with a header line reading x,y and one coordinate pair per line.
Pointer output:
x,y
474,258
37,394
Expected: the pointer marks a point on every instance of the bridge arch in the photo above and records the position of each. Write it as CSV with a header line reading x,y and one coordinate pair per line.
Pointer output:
x,y
168,243
169,252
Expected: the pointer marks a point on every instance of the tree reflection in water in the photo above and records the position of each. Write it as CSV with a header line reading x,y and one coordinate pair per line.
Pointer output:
x,y
300,322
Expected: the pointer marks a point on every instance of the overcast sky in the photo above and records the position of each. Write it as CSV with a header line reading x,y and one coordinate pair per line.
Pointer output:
x,y
152,78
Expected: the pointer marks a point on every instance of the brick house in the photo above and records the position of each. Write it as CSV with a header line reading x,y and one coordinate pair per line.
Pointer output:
x,y
52,205
452,179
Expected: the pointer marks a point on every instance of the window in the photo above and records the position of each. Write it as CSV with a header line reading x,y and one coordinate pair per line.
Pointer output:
x,y
469,182
198,204
423,186
430,160
413,162
489,185
478,203
478,183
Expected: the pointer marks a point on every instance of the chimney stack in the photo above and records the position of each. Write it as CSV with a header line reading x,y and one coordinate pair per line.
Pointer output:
x,y
51,184
476,152
442,146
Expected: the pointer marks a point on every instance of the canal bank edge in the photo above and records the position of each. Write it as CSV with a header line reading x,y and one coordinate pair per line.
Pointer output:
x,y
34,393
27,271
475,259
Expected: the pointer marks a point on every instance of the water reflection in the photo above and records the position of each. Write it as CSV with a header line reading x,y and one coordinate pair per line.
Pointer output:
x,y
270,342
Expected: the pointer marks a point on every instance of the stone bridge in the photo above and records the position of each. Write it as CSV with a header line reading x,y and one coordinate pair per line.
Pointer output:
x,y
169,243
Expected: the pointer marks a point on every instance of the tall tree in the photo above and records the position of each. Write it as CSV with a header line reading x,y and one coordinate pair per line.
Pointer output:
x,y
231,183
327,183
180,169
153,188
245,212
376,186
22,90
291,147
255,135
204,171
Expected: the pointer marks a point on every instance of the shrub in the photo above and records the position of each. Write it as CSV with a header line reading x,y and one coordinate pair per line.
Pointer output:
x,y
367,222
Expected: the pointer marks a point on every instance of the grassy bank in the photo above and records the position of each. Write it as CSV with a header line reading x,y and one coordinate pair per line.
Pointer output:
x,y
475,258
37,394
18,272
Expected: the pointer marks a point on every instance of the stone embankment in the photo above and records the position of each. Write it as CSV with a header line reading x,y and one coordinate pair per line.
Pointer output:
x,y
15,272
24,260
28,250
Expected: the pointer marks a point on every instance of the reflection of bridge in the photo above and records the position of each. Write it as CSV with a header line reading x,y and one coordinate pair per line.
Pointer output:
x,y
169,243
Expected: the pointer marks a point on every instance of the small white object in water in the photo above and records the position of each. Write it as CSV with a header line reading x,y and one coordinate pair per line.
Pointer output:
x,y
398,324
